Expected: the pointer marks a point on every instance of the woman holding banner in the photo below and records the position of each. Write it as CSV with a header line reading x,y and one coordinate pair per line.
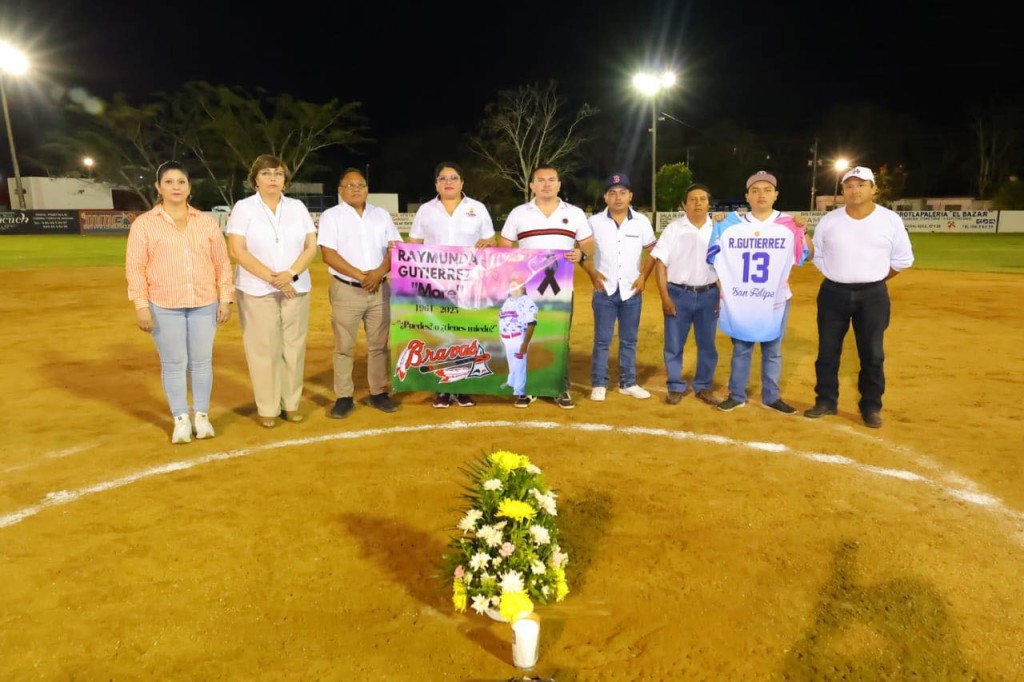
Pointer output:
x,y
179,278
452,219
273,239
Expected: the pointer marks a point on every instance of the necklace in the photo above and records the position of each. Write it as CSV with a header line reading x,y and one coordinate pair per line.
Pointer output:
x,y
275,222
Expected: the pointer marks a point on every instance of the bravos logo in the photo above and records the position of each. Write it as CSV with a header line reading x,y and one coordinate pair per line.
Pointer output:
x,y
452,363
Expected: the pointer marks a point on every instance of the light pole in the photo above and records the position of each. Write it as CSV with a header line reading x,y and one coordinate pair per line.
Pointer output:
x,y
840,165
651,85
14,62
88,162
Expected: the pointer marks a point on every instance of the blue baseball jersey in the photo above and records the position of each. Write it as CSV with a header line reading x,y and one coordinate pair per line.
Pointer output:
x,y
752,261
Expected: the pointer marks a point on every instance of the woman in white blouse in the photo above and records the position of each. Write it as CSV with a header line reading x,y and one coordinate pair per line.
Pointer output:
x,y
273,239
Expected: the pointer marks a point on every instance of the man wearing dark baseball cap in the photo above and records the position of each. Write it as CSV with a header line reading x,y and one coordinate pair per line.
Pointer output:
x,y
619,272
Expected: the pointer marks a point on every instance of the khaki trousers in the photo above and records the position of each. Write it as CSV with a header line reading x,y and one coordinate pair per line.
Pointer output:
x,y
274,336
349,306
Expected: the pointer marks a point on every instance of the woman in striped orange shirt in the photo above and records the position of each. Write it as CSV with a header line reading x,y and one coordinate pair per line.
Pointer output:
x,y
179,278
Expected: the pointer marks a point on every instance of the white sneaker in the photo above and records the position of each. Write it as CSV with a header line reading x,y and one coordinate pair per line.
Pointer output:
x,y
635,391
597,393
204,429
182,429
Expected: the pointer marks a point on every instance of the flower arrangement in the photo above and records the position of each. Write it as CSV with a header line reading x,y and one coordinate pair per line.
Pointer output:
x,y
506,556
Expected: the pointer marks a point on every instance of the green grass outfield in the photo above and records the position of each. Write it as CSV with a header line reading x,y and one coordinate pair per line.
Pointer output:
x,y
961,252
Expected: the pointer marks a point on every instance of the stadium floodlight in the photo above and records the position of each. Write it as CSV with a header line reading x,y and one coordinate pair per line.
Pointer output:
x,y
840,165
13,62
651,85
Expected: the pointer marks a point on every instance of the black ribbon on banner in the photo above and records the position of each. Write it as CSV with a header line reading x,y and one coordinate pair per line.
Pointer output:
x,y
549,281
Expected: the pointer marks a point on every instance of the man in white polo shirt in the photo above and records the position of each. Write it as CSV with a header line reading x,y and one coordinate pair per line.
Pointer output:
x,y
623,239
452,219
857,248
689,295
355,239
547,222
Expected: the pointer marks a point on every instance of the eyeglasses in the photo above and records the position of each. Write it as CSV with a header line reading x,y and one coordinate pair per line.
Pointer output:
x,y
354,186
267,173
448,178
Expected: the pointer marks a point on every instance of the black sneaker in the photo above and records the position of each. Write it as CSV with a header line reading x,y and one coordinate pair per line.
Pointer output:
x,y
342,407
872,420
464,400
781,406
383,402
442,401
565,401
730,404
524,400
819,410
673,398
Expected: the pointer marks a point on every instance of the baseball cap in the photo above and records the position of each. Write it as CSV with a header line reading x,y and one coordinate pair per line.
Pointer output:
x,y
859,172
620,179
762,175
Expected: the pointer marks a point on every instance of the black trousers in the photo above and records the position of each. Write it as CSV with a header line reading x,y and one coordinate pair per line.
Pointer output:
x,y
867,306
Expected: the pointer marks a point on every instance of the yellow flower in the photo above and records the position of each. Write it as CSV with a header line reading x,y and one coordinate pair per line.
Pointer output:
x,y
509,461
459,595
516,510
561,586
515,605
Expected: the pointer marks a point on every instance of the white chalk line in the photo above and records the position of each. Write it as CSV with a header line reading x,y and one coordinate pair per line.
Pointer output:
x,y
63,497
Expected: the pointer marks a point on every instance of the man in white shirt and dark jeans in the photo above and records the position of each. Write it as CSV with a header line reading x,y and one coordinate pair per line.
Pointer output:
x,y
857,248
547,222
624,239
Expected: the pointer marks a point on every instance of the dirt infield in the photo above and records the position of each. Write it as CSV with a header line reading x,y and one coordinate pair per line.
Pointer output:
x,y
704,545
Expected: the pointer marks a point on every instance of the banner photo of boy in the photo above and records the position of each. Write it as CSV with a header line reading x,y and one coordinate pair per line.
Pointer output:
x,y
460,316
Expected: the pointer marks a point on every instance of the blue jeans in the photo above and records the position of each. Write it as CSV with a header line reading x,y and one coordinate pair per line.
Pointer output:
x,y
608,309
700,311
184,339
771,366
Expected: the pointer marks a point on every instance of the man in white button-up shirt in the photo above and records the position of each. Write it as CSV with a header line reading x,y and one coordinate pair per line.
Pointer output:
x,y
452,219
689,295
623,239
355,238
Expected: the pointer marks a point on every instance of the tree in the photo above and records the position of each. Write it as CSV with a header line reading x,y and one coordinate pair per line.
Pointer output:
x,y
998,139
890,183
672,180
226,128
1009,196
526,128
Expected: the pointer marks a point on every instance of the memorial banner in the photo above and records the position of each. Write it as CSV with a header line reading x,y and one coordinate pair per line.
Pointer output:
x,y
460,318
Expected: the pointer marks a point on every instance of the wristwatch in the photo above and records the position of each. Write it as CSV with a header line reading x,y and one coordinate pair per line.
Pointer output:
x,y
295,278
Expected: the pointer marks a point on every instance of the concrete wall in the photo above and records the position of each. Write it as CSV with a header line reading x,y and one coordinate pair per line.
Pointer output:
x,y
54,194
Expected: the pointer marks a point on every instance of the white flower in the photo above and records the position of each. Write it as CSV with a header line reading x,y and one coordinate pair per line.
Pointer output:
x,y
490,535
544,589
496,600
479,561
492,484
512,582
532,469
480,603
545,501
537,568
496,561
540,534
558,558
468,521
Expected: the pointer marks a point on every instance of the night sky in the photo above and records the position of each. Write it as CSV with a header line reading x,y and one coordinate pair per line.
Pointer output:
x,y
775,67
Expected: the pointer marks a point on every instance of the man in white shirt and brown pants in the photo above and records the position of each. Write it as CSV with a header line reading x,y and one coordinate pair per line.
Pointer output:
x,y
355,238
857,248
